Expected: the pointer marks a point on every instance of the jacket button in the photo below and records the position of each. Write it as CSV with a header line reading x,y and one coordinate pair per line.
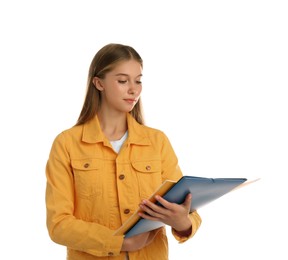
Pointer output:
x,y
122,177
86,165
126,211
148,167
110,253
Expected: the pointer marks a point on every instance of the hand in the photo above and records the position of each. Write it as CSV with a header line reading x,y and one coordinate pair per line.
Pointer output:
x,y
172,214
139,241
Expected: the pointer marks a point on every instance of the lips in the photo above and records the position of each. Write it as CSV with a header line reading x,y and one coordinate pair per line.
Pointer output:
x,y
130,100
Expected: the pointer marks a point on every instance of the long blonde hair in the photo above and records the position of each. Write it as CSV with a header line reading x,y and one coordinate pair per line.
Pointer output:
x,y
104,61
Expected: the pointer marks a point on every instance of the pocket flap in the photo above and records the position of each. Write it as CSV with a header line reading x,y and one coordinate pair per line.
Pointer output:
x,y
86,164
147,166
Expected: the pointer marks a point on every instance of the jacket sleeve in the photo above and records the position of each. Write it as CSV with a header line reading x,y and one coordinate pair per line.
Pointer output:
x,y
62,226
170,167
172,171
195,221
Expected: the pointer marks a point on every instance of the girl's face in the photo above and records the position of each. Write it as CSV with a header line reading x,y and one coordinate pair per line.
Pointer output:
x,y
121,87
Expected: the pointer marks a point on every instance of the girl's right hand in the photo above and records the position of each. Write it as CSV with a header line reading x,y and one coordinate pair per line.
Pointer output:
x,y
139,241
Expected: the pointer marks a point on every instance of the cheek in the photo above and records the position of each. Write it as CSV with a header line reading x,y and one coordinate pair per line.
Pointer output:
x,y
116,90
139,90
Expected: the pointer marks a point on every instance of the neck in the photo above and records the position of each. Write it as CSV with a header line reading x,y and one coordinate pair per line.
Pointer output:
x,y
113,126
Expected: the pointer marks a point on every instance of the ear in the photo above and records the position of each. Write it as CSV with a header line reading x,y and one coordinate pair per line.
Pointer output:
x,y
98,83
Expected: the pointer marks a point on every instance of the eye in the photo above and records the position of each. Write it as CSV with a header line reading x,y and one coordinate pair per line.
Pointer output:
x,y
122,81
139,82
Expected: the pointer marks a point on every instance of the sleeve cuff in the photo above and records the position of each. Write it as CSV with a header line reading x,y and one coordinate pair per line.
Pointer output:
x,y
195,221
114,249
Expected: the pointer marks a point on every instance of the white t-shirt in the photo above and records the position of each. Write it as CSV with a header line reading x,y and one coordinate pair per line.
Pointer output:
x,y
118,143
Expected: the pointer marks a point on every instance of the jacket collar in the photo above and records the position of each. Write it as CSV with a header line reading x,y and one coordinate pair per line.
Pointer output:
x,y
137,133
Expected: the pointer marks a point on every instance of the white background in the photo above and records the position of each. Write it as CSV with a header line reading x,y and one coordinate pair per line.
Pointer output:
x,y
215,81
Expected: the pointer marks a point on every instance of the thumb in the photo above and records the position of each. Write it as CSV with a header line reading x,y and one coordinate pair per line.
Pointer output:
x,y
187,202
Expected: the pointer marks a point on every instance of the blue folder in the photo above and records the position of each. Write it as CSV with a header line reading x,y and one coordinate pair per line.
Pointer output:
x,y
203,190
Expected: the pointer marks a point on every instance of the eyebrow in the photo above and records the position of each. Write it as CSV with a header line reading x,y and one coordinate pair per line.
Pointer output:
x,y
124,74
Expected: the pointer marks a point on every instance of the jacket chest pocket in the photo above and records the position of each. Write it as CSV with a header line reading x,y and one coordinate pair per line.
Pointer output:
x,y
148,175
87,177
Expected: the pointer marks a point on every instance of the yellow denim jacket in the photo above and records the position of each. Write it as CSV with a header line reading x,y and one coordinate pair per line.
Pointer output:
x,y
91,190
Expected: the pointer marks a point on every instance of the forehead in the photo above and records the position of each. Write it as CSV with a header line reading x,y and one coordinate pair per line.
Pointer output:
x,y
129,67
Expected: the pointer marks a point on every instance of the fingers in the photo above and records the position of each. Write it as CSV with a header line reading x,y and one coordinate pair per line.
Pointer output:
x,y
167,211
168,205
151,209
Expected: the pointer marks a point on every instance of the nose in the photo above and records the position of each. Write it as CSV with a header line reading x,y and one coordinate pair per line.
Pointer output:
x,y
132,89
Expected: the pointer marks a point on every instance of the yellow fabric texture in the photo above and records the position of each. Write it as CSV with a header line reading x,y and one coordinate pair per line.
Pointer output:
x,y
91,190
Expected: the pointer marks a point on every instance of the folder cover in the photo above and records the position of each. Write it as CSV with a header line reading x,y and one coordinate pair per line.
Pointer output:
x,y
203,190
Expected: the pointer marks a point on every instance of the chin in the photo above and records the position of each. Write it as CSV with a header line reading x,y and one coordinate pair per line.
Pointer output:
x,y
130,108
126,110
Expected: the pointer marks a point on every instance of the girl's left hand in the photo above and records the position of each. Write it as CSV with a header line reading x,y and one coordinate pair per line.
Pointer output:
x,y
172,214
